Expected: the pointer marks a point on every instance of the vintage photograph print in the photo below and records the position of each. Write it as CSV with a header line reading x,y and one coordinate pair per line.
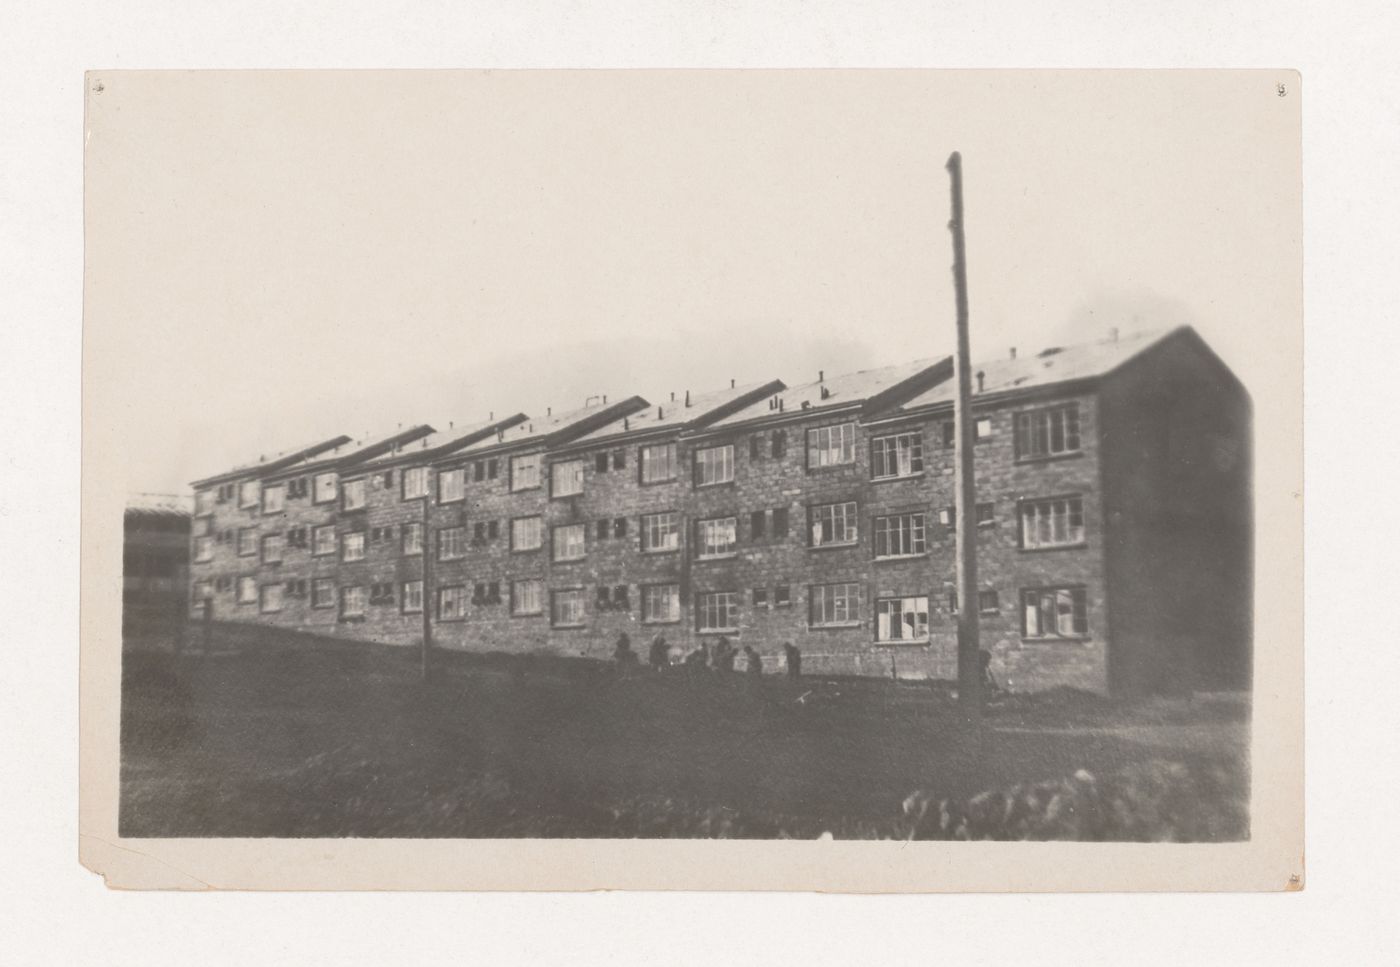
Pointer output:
x,y
857,457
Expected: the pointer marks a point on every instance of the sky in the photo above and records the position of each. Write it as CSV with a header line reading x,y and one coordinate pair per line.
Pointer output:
x,y
275,258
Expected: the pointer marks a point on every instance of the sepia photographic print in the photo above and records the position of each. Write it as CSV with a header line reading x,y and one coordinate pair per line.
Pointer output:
x,y
834,480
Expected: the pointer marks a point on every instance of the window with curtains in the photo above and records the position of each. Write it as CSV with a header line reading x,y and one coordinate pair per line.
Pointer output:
x,y
898,455
1054,522
829,446
714,465
526,597
661,603
833,524
900,535
717,537
1048,433
661,531
1054,612
833,604
717,611
901,619
659,463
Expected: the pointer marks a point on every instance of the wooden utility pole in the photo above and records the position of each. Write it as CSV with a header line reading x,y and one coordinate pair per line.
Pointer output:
x,y
969,645
425,658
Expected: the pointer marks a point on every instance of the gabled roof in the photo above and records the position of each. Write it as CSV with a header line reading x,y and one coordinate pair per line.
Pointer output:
x,y
357,452
554,430
889,384
690,412
280,462
437,445
1057,364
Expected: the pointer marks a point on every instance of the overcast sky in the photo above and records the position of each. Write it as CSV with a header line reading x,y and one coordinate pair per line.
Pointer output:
x,y
276,258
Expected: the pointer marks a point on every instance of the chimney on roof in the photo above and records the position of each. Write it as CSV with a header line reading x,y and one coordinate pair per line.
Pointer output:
x,y
549,411
491,416
825,392
981,377
687,397
1113,334
605,399
780,404
500,435
262,457
1013,352
626,423
451,424
731,382
659,414
821,376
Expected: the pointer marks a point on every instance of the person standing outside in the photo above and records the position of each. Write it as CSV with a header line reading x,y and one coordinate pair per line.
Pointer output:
x,y
794,660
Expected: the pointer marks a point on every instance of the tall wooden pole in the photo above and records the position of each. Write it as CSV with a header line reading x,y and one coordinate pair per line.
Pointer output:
x,y
969,646
425,658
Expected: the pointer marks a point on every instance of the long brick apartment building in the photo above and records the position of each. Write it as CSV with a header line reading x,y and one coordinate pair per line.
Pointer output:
x,y
1114,512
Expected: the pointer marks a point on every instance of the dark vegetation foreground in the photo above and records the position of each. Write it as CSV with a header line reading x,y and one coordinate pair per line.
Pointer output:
x,y
293,736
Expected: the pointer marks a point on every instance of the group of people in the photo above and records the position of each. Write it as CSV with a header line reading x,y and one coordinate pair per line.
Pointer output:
x,y
719,657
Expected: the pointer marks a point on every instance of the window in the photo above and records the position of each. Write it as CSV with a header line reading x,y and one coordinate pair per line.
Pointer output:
x,y
325,488
782,597
249,493
452,543
834,604
352,494
415,483
661,604
714,465
479,471
567,609
491,469
203,549
948,431
1058,522
569,542
412,599
202,590
659,463
901,455
755,447
527,597
525,472
526,534
566,478
479,532
322,593
619,527
352,546
779,443
661,532
274,498
619,459
411,538
452,485
600,462
297,487
760,597
452,603
986,515
900,535
987,602
833,524
204,503
352,601
247,541
829,446
270,598
247,590
493,529
272,548
983,429
1054,613
323,540
603,528
780,521
718,537
717,611
1047,433
901,619
758,521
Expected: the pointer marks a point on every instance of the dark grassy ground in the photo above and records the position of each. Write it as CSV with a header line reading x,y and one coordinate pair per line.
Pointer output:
x,y
294,736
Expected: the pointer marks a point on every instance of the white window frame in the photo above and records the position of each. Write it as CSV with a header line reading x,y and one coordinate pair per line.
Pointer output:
x,y
888,609
319,585
564,530
577,611
414,527
279,544
348,546
905,450
831,446
892,530
452,485
203,549
203,502
714,465
1075,597
840,519
454,549
415,483
566,478
354,600
523,529
252,544
246,590
245,501
353,494
707,547
411,597
1052,522
710,606
1036,432
661,604
319,531
659,467
838,604
270,598
526,597
325,488
525,472
661,532
274,498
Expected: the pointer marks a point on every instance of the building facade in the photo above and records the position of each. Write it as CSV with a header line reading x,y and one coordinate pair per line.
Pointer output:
x,y
1114,522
